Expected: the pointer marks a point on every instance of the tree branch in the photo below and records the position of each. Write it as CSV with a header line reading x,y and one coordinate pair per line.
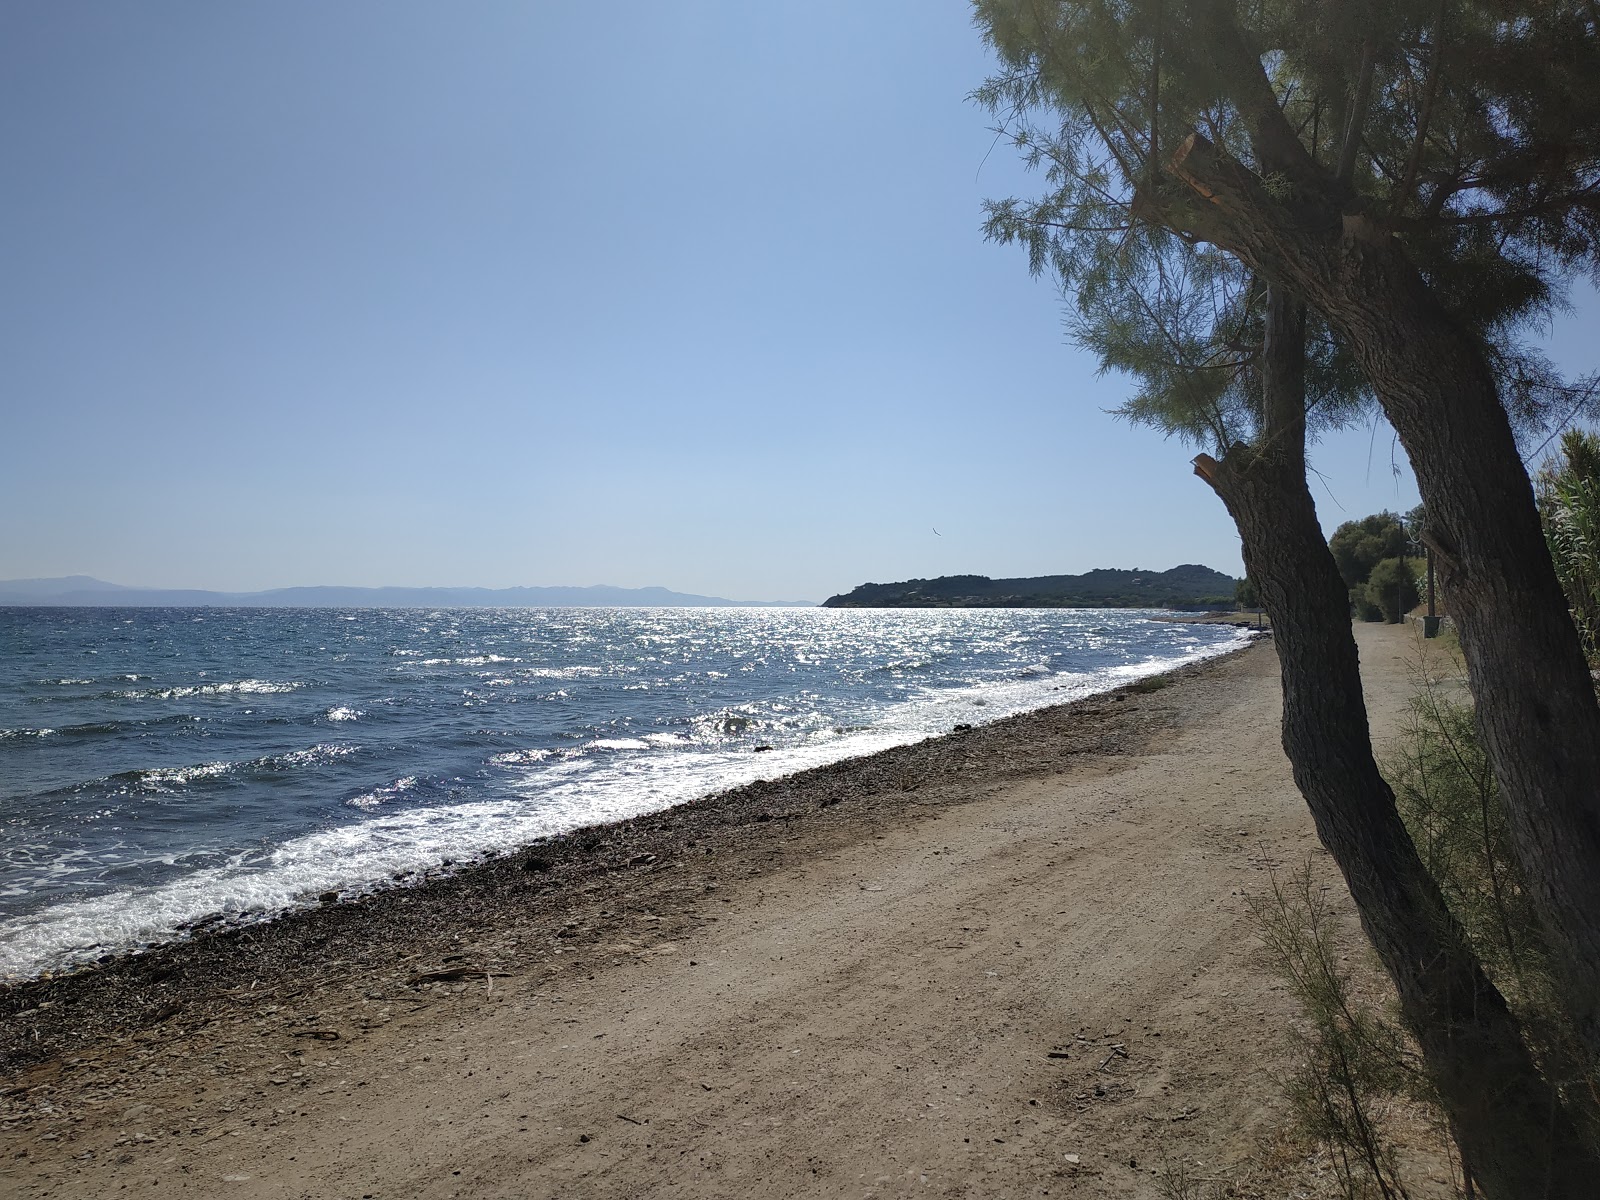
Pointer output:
x,y
1430,90
1358,116
1276,145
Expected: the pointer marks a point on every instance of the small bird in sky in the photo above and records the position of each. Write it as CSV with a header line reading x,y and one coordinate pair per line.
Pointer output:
x,y
936,533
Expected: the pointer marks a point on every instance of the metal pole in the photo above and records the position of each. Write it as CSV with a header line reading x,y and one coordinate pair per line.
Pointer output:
x,y
1430,627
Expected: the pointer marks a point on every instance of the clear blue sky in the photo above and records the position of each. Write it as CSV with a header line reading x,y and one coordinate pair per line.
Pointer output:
x,y
504,292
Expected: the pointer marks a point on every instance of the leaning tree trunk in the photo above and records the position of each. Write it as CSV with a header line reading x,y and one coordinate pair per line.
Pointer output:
x,y
1535,701
1510,1123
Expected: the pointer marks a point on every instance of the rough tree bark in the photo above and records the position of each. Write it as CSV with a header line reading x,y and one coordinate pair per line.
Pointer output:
x,y
1535,701
1509,1122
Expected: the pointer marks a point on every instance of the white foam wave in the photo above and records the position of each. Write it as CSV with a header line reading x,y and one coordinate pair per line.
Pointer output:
x,y
618,744
376,797
17,734
161,778
324,752
472,660
169,779
575,672
247,687
514,758
554,794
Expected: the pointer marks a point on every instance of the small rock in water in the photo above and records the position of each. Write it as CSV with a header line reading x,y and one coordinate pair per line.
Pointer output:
x,y
759,749
328,897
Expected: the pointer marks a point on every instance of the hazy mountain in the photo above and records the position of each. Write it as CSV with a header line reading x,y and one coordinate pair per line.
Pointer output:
x,y
1188,586
81,590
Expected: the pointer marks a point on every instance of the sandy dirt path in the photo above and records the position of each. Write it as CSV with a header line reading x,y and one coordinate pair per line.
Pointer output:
x,y
1050,987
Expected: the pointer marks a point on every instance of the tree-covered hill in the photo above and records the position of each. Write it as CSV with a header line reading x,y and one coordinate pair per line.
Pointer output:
x,y
1188,586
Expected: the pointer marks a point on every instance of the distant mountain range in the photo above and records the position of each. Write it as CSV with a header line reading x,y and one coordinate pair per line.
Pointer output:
x,y
1188,586
83,590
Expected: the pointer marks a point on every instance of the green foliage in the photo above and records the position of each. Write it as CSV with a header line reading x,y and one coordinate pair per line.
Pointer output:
x,y
1445,790
1353,1061
1246,594
1359,546
1391,589
1478,145
1569,503
1363,605
1446,793
1186,586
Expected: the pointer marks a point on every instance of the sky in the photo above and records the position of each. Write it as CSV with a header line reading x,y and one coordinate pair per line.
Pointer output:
x,y
503,293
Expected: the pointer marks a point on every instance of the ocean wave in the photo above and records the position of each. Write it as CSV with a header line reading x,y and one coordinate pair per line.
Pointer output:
x,y
244,687
7,735
472,660
726,724
377,796
457,805
618,744
164,779
519,758
167,780
247,687
574,672
311,755
343,713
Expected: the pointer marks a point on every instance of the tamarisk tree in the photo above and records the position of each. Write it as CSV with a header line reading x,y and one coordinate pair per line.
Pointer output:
x,y
1215,169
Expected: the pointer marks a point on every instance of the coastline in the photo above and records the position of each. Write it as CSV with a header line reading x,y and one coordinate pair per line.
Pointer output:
x,y
136,986
209,1039
1241,620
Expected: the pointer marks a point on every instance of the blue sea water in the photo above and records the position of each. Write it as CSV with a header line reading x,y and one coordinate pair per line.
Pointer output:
x,y
160,765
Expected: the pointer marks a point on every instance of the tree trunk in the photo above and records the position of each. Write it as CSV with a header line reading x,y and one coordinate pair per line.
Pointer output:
x,y
1509,1121
1535,701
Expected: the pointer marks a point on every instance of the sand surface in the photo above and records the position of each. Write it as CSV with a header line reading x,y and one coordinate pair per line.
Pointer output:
x,y
1014,961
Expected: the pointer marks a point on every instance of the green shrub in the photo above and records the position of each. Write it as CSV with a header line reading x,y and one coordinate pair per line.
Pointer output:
x,y
1391,589
1359,546
1447,795
1569,504
1353,1060
1362,605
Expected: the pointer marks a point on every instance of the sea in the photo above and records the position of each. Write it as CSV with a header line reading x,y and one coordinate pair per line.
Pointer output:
x,y
162,767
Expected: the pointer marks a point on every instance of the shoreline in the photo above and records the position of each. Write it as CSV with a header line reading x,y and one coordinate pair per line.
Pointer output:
x,y
1011,959
1240,620
137,986
373,852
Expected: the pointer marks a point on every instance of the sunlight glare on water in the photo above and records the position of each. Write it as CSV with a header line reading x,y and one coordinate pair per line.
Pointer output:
x,y
160,767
